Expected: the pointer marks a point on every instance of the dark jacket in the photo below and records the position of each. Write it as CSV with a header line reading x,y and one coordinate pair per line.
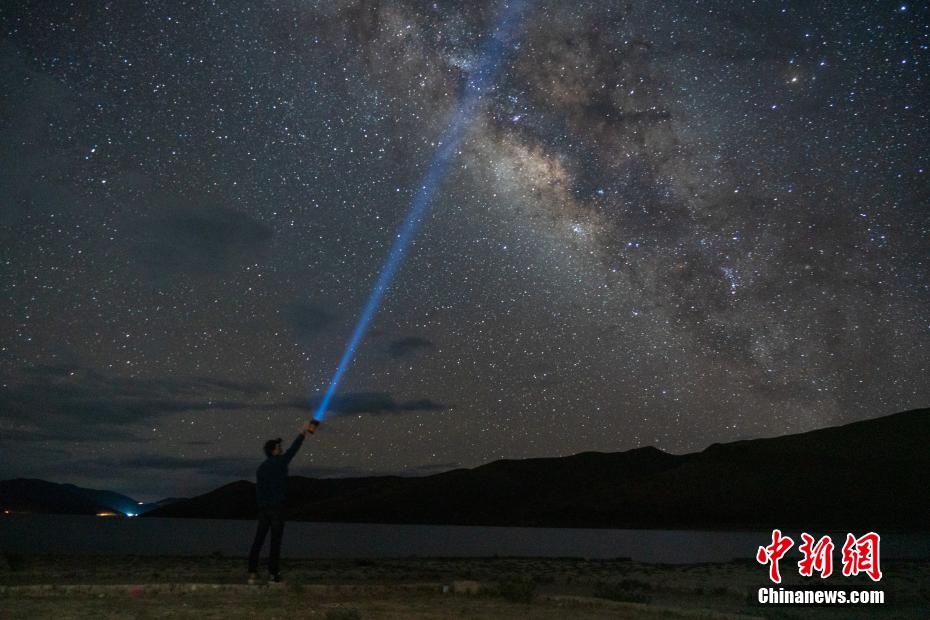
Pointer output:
x,y
271,477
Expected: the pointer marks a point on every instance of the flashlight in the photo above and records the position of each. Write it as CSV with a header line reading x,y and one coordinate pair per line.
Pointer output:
x,y
312,425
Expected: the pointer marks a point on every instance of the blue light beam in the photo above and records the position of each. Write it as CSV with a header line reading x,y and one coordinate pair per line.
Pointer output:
x,y
481,81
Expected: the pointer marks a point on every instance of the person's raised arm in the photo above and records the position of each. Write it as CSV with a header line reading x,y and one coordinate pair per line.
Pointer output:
x,y
308,429
294,447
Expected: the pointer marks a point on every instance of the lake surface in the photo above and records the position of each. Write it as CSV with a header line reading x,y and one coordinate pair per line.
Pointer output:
x,y
72,534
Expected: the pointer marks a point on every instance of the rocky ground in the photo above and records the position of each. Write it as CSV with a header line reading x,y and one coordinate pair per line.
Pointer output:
x,y
214,587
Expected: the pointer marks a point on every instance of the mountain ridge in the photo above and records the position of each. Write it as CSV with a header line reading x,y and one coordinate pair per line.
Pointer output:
x,y
858,474
35,495
861,474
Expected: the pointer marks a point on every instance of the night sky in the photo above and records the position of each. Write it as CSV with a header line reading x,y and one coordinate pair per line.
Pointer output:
x,y
668,224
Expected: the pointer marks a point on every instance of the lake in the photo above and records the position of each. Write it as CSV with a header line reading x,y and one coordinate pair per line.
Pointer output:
x,y
73,534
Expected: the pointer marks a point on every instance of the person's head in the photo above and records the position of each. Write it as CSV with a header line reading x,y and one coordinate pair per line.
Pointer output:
x,y
273,447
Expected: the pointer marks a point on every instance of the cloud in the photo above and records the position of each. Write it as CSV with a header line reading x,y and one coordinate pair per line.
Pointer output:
x,y
358,472
307,320
225,466
326,471
185,237
407,346
81,403
376,403
28,183
71,403
72,434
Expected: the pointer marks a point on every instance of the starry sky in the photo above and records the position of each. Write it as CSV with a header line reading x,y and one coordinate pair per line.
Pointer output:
x,y
667,224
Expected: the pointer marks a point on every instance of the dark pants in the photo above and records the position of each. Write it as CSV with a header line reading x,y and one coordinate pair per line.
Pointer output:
x,y
272,518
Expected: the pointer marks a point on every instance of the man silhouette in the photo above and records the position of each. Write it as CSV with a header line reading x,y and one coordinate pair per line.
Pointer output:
x,y
271,491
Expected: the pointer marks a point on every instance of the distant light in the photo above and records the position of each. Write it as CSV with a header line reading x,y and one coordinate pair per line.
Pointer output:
x,y
140,503
107,514
130,514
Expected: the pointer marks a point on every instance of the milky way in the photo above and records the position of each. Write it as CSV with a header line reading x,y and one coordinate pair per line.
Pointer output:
x,y
669,224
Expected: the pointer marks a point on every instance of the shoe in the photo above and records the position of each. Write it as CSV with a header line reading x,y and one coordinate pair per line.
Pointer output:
x,y
253,579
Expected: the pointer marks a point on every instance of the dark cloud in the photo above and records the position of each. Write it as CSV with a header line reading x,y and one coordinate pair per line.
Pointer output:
x,y
184,237
71,399
218,466
408,346
28,183
359,472
230,467
376,403
72,433
308,320
71,403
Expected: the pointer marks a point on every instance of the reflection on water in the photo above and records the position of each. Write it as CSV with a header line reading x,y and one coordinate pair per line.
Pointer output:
x,y
71,534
